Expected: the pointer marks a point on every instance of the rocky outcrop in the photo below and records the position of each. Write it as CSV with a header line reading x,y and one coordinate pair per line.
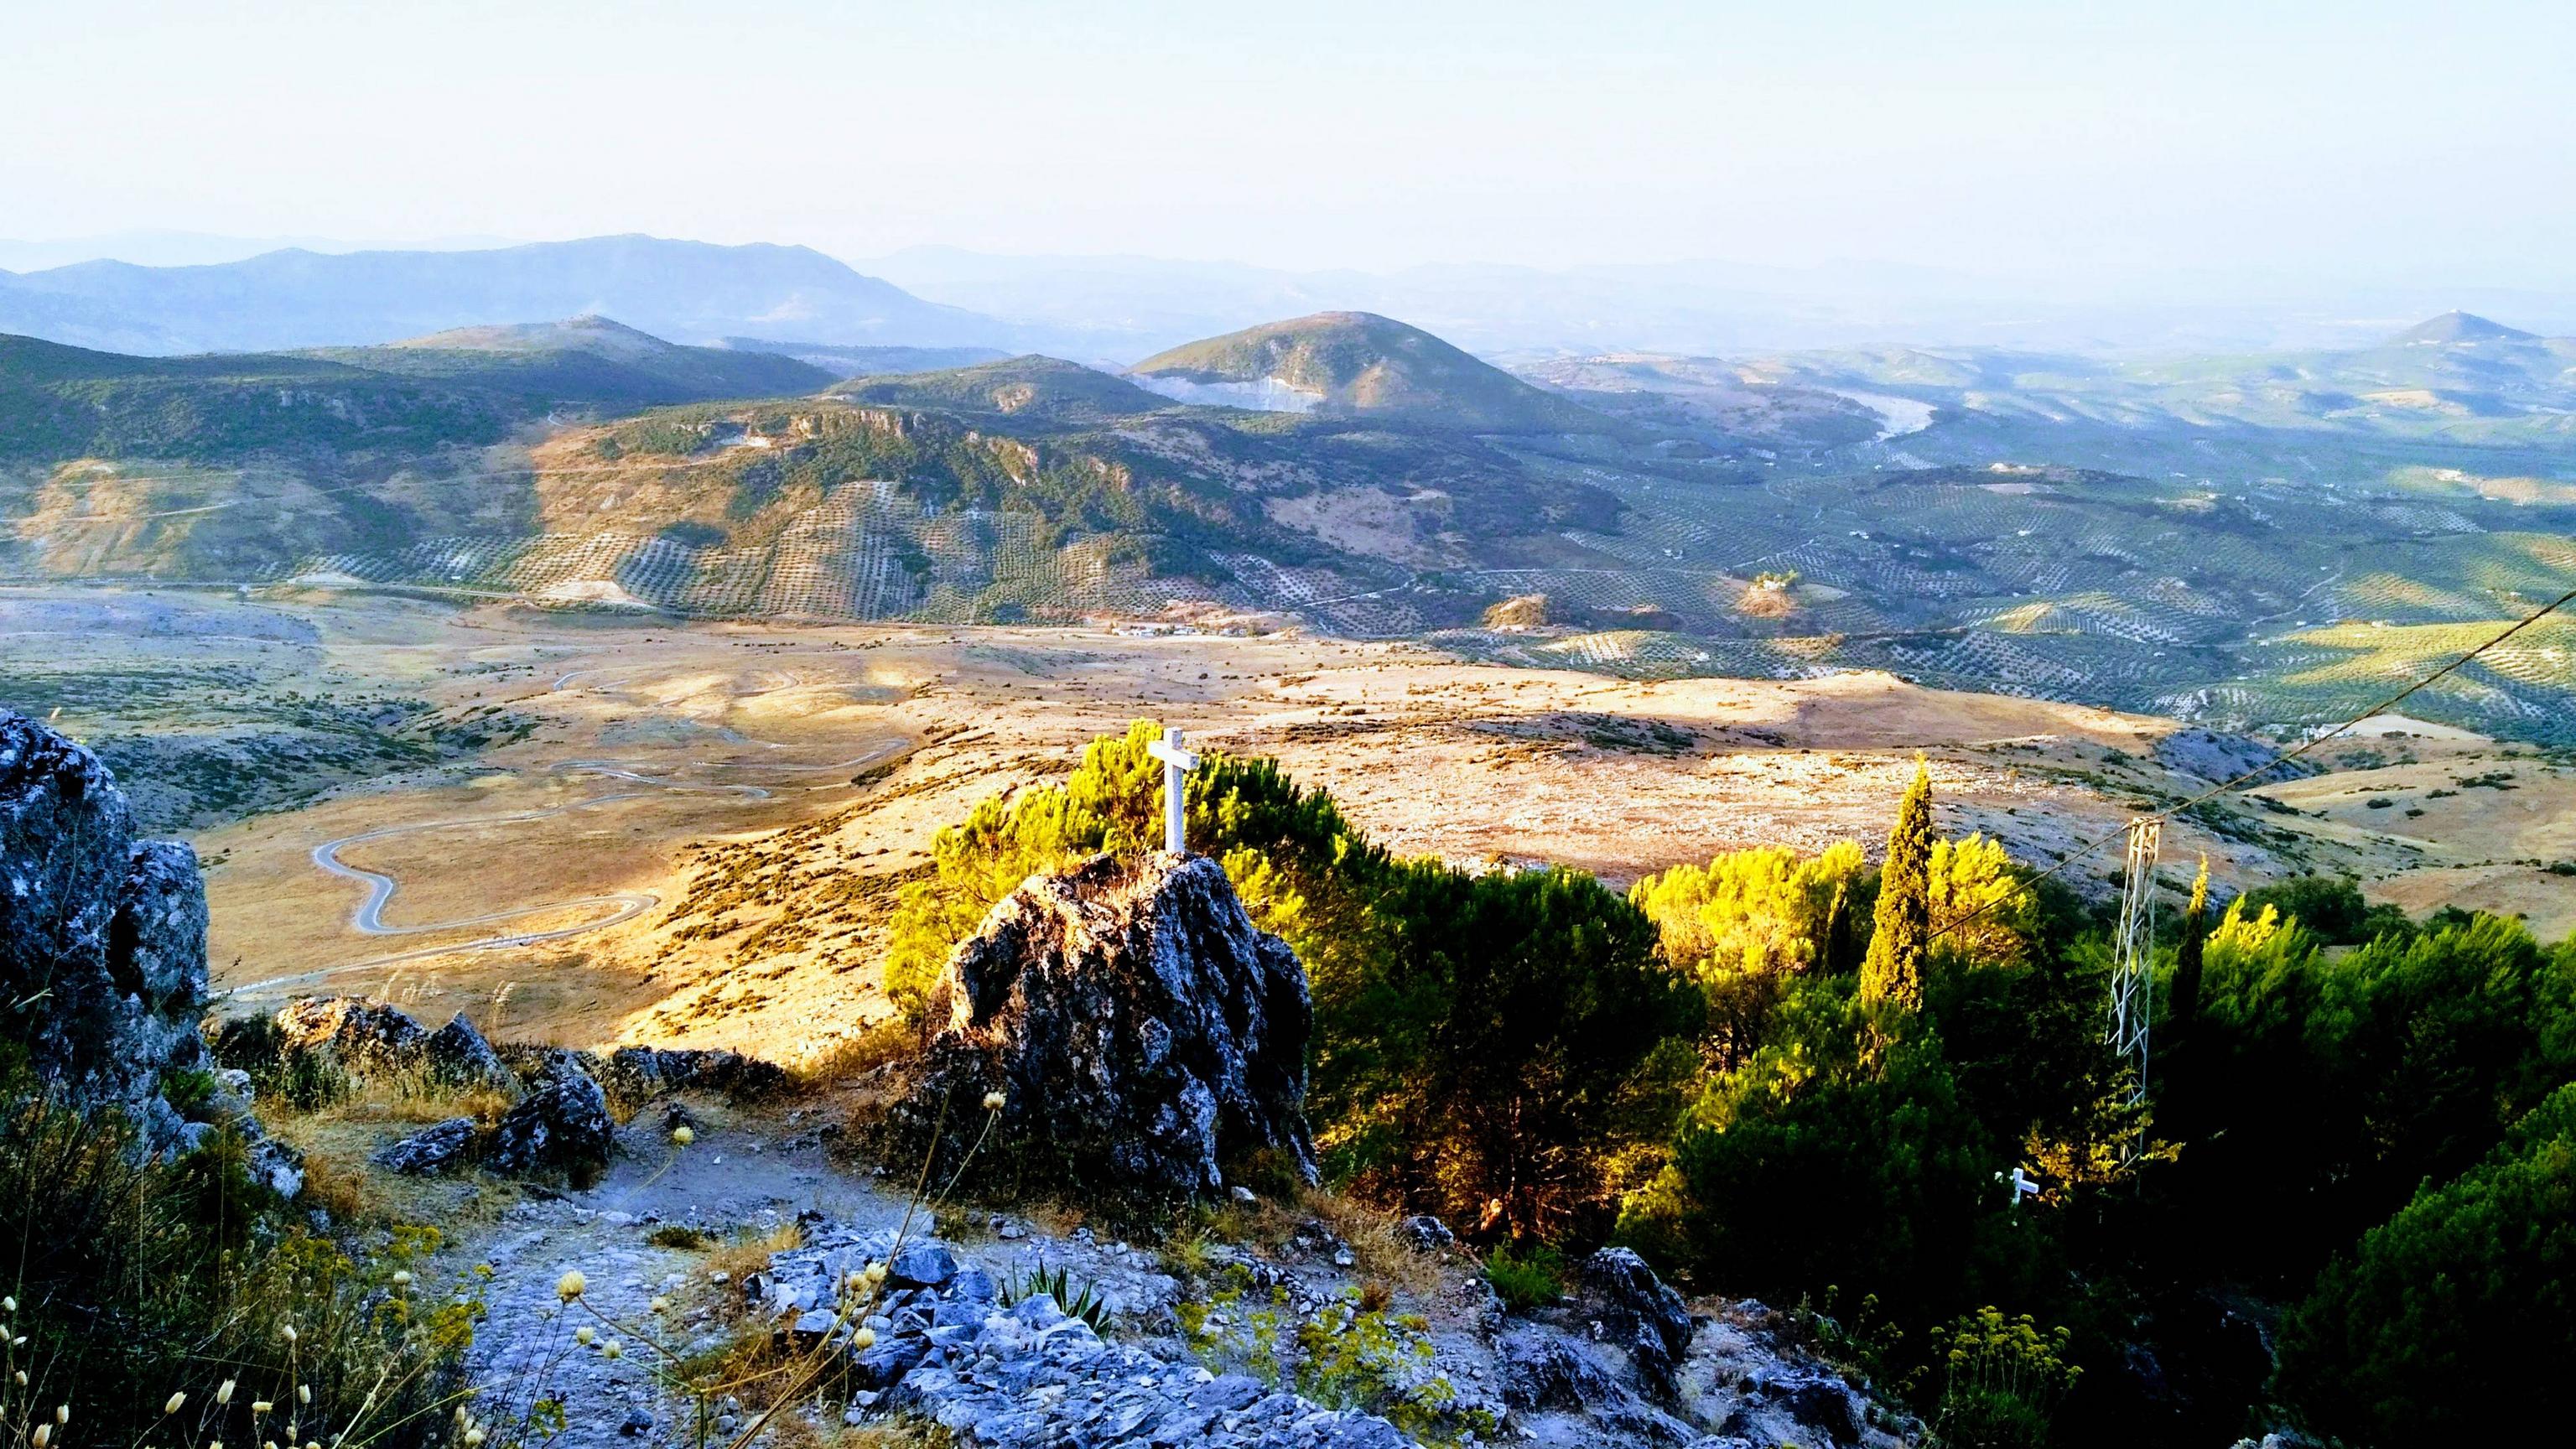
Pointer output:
x,y
358,1034
459,1056
1645,1315
639,1074
562,1126
103,951
1143,1033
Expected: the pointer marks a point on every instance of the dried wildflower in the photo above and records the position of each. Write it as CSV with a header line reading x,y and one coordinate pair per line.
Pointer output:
x,y
583,1335
44,1435
993,1101
681,1135
286,1331
660,1304
62,1413
611,1349
571,1285
304,1393
402,1277
473,1438
876,1272
176,1400
864,1339
261,1406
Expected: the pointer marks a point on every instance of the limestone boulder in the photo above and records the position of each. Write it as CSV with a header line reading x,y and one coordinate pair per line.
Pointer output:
x,y
1142,1032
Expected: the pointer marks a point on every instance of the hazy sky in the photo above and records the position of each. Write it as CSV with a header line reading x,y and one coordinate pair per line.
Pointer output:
x,y
2425,142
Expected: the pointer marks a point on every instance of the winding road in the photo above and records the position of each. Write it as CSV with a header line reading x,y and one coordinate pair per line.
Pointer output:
x,y
367,917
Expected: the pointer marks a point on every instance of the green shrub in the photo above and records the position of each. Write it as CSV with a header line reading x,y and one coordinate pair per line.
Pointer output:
x,y
1829,1158
138,1277
2001,1382
1528,1278
2453,1323
2330,907
2320,1090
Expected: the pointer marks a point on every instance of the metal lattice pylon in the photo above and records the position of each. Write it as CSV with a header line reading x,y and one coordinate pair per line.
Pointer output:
x,y
2133,954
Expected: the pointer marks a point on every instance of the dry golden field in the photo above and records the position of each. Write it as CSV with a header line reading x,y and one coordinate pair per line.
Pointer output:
x,y
695,831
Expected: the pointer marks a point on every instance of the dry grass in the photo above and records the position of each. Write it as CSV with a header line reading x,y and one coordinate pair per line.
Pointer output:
x,y
1382,1254
875,1046
740,1256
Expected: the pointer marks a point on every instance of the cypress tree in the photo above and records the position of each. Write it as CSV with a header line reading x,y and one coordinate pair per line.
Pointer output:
x,y
1902,935
2186,978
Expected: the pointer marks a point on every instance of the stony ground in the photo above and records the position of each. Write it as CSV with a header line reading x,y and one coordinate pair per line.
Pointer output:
x,y
1182,1354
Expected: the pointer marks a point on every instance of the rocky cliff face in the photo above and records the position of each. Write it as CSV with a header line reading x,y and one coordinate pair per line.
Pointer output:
x,y
103,947
1144,1034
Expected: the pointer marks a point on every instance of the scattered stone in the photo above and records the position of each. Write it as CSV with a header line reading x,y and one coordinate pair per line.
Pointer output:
x,y
432,1149
1140,1030
1424,1233
638,1421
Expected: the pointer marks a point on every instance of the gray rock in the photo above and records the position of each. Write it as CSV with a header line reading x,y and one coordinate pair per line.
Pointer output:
x,y
459,1055
1643,1312
1813,1397
432,1149
1424,1233
102,945
883,1365
1227,1392
563,1126
359,1034
922,1265
1541,1371
1141,1030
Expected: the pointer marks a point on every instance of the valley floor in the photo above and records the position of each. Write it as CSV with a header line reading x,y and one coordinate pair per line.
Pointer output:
x,y
692,833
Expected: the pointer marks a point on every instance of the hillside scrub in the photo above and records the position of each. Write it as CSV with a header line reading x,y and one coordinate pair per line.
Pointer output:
x,y
1700,1070
139,1281
1486,1046
2452,1322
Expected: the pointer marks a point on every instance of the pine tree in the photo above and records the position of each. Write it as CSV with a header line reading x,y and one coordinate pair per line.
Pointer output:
x,y
1902,935
2185,1003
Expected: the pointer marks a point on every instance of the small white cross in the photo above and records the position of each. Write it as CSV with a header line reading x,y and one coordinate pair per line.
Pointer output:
x,y
1177,762
2023,1185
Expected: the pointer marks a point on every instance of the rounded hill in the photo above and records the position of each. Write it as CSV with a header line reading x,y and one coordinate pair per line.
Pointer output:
x,y
1361,364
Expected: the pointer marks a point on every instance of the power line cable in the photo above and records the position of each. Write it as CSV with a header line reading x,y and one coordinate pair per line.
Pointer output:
x,y
2273,764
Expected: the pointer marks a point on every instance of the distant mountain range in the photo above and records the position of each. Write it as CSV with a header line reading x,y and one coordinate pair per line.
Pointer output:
x,y
2241,538
1131,306
688,291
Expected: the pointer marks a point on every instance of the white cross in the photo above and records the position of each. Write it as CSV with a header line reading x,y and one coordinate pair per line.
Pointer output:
x,y
2023,1185
1177,762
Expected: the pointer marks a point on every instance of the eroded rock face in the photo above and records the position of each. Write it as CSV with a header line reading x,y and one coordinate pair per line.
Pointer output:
x,y
103,948
562,1126
1647,1316
1143,1032
361,1034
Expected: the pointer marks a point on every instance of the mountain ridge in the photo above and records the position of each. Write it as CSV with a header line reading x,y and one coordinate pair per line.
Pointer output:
x,y
291,298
